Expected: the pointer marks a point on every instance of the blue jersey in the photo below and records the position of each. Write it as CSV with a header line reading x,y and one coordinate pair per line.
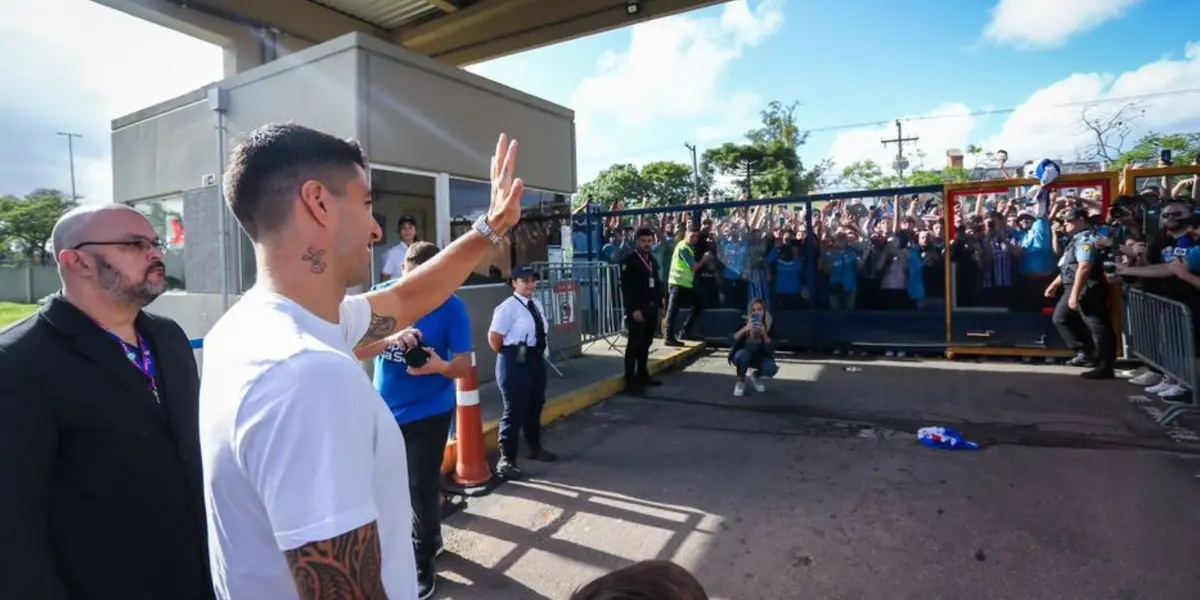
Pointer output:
x,y
447,331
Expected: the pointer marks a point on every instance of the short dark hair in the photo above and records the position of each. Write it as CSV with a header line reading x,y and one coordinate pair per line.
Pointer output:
x,y
267,169
645,231
646,580
420,252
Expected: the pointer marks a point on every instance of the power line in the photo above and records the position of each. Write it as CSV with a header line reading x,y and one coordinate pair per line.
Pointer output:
x,y
976,113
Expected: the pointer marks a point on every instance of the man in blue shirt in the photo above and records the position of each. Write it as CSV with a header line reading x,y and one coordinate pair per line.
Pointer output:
x,y
1035,255
423,400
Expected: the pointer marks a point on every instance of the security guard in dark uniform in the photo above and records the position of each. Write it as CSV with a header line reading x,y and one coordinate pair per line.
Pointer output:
x,y
1081,314
641,288
518,335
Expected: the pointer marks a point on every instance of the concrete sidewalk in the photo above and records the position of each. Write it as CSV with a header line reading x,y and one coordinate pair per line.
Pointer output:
x,y
818,489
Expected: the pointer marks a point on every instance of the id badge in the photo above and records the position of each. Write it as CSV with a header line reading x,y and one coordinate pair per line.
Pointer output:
x,y
651,283
521,354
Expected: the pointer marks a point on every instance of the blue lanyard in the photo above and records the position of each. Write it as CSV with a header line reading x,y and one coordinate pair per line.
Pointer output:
x,y
141,358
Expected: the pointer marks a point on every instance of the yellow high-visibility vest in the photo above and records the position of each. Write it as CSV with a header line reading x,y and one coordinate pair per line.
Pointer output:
x,y
681,272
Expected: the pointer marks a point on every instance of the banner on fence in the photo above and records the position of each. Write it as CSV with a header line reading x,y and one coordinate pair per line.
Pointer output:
x,y
563,299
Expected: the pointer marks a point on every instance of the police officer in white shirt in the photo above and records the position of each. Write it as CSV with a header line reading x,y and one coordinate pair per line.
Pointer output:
x,y
518,337
393,261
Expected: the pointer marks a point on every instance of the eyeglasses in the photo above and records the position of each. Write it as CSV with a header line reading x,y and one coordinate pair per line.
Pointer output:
x,y
140,244
1174,215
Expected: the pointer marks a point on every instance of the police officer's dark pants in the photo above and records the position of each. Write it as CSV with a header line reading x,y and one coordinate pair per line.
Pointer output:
x,y
425,444
678,298
1087,330
637,351
523,389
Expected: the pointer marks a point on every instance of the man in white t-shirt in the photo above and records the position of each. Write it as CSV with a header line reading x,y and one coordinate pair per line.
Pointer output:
x,y
305,476
393,260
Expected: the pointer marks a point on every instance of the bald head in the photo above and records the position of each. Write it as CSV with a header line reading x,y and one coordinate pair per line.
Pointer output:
x,y
109,252
90,223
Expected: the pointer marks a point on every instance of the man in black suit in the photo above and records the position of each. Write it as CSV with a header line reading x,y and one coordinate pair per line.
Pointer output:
x,y
641,288
100,473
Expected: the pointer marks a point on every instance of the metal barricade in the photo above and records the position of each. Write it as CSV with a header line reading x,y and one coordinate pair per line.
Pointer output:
x,y
601,308
1159,332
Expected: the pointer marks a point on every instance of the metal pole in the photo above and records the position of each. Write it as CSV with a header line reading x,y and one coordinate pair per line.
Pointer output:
x,y
218,100
695,171
71,155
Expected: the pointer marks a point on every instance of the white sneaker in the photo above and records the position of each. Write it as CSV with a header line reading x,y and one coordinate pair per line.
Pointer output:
x,y
890,353
739,389
1160,387
758,384
901,354
1175,393
1131,373
1145,379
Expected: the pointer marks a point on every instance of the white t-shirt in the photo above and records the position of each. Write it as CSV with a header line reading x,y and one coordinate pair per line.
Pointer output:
x,y
297,445
393,261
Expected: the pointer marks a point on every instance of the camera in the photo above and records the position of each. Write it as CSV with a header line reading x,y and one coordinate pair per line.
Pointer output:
x,y
416,357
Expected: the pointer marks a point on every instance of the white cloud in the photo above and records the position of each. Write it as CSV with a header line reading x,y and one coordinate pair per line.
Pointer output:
x,y
672,71
73,66
1047,24
1042,126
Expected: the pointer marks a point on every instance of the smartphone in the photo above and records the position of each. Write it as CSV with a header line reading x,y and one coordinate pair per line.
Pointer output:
x,y
756,319
1103,231
1165,156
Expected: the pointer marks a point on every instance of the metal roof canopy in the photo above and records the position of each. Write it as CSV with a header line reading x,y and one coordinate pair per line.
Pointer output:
x,y
458,32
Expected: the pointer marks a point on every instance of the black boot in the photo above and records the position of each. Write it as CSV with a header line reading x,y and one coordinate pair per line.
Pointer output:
x,y
426,580
507,469
1100,372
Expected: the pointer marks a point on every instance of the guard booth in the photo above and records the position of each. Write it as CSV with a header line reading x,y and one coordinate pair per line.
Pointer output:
x,y
428,130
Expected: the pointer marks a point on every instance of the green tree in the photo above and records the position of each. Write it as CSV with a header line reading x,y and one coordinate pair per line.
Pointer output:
x,y
618,183
768,164
937,176
27,222
1184,148
866,175
667,182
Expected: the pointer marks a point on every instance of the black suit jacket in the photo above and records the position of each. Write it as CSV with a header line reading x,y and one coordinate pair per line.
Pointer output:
x,y
635,284
100,486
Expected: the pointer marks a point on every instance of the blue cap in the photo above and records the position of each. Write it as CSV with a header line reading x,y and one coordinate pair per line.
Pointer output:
x,y
523,272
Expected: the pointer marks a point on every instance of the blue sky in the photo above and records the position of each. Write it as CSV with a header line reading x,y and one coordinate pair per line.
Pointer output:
x,y
862,60
640,92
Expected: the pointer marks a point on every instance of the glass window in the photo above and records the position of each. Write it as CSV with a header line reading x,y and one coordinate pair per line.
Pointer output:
x,y
166,216
469,199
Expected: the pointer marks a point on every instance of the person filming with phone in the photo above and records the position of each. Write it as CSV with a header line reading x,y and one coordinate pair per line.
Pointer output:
x,y
752,349
415,371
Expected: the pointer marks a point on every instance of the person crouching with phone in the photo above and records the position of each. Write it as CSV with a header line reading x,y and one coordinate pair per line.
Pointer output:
x,y
752,349
518,335
415,371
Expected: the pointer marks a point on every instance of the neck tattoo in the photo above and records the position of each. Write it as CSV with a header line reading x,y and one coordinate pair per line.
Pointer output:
x,y
315,257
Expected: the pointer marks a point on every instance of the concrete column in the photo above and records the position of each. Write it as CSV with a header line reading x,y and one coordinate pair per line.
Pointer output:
x,y
243,52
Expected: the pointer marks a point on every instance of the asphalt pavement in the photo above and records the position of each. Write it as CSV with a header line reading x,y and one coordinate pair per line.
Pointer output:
x,y
817,489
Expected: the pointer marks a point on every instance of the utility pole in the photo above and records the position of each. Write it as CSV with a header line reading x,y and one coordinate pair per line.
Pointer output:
x,y
695,171
900,163
71,154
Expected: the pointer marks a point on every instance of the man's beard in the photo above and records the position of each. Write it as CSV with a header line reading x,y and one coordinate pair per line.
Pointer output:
x,y
140,293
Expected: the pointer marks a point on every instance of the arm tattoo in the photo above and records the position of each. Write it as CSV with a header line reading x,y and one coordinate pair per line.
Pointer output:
x,y
379,328
346,567
315,257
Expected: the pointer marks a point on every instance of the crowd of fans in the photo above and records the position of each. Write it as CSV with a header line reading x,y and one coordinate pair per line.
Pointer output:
x,y
871,254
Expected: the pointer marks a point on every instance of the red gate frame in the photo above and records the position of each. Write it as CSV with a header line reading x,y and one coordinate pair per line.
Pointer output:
x,y
1107,181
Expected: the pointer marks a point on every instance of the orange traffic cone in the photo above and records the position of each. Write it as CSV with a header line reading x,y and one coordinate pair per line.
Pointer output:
x,y
472,469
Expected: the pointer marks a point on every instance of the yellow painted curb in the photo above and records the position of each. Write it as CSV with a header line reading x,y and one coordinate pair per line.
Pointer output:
x,y
576,400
